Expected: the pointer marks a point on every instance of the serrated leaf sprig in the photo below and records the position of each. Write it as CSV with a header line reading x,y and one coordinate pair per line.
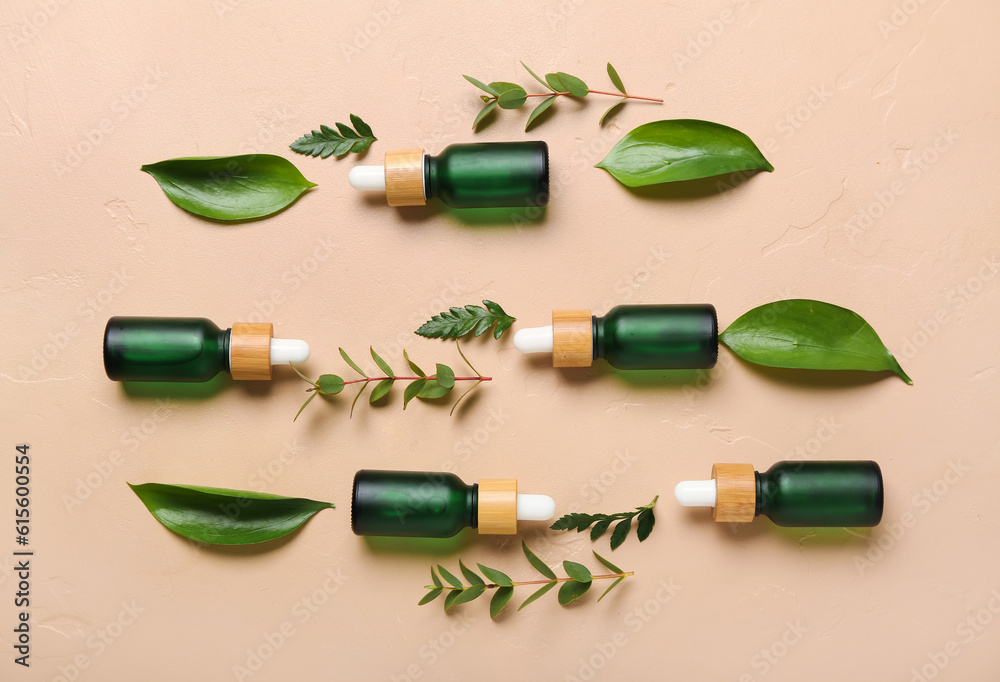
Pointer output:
x,y
328,142
471,319
602,522
422,385
576,583
559,84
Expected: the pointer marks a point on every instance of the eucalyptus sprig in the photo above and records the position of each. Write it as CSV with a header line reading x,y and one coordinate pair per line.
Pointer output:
x,y
601,522
575,585
326,141
559,84
471,319
422,386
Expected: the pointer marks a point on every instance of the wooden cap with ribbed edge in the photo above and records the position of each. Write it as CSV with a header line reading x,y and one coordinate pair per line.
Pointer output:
x,y
572,338
735,492
404,177
497,509
250,350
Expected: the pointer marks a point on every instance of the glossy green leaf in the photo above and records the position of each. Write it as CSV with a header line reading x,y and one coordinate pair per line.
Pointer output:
x,y
433,390
470,575
458,322
806,334
539,565
512,99
230,187
545,104
382,364
451,597
600,528
469,593
354,365
330,384
498,577
445,375
538,593
577,572
608,564
412,389
357,396
451,579
500,599
434,577
501,87
620,532
221,516
482,86
326,142
484,112
308,400
612,586
413,365
644,524
608,111
535,76
380,390
554,82
616,79
681,149
430,596
575,86
571,591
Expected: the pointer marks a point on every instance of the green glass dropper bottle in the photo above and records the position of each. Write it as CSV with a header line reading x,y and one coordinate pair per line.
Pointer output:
x,y
438,505
629,337
193,349
481,175
791,493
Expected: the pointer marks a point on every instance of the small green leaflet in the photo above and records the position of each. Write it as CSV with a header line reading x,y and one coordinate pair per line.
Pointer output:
x,y
221,516
328,142
681,149
230,187
602,522
805,334
471,319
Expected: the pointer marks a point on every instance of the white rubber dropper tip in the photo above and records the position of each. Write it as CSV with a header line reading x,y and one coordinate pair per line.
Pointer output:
x,y
535,507
288,350
367,178
534,340
696,493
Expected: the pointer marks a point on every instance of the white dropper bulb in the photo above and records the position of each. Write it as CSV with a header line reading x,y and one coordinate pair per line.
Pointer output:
x,y
288,350
535,507
696,493
367,178
534,340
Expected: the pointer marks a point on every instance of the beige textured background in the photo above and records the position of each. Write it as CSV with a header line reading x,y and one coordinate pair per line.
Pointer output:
x,y
881,121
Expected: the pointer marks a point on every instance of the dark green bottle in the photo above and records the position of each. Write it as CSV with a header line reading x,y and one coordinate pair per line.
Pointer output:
x,y
684,336
480,175
791,493
438,505
193,349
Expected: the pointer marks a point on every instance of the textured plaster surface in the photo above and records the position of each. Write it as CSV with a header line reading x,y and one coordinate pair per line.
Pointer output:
x,y
881,121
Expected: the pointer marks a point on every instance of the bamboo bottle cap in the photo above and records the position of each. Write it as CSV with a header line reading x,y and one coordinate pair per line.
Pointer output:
x,y
404,177
497,510
250,350
735,492
572,338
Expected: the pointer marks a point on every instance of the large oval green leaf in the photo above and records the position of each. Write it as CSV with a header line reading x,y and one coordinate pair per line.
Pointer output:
x,y
681,149
805,334
225,517
230,187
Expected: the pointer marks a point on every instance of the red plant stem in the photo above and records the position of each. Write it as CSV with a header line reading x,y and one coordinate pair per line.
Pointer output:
x,y
597,92
358,381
